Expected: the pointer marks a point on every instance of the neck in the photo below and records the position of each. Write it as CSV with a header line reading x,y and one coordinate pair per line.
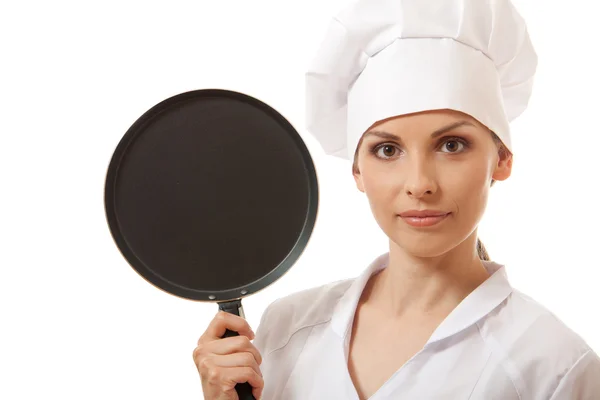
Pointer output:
x,y
415,286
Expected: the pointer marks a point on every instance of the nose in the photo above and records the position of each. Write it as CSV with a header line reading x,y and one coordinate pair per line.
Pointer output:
x,y
420,179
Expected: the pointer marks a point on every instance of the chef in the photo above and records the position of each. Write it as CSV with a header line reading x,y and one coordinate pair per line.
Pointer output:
x,y
419,95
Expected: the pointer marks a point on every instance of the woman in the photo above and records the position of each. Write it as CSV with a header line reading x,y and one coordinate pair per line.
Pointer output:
x,y
419,94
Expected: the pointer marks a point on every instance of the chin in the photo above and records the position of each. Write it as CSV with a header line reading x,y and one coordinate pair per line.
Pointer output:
x,y
421,252
424,246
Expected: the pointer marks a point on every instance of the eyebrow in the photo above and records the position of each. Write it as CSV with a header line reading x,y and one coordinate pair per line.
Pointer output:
x,y
441,131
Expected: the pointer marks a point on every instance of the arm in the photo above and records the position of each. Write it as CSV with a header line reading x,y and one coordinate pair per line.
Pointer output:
x,y
263,330
582,380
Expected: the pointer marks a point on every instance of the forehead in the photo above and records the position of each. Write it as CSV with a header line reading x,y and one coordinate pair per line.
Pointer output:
x,y
424,121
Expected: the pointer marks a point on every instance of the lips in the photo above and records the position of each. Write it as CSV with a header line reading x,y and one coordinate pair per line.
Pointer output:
x,y
423,213
423,218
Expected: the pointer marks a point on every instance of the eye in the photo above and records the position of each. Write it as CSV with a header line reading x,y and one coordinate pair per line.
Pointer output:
x,y
453,145
385,151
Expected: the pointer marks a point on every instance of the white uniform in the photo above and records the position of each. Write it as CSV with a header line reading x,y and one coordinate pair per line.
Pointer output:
x,y
497,344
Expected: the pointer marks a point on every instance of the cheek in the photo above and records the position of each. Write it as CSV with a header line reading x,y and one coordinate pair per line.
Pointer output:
x,y
382,194
464,180
468,190
379,186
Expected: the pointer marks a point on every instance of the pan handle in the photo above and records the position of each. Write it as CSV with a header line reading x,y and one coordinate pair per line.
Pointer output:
x,y
244,390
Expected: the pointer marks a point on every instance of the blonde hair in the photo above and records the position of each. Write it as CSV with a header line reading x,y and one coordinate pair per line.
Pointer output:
x,y
502,150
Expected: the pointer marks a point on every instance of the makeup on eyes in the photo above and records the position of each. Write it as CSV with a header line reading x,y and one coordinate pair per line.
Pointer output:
x,y
466,143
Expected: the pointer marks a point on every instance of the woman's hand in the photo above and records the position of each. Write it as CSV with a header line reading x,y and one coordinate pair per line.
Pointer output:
x,y
224,362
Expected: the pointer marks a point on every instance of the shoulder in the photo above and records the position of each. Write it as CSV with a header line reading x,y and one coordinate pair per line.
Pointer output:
x,y
527,321
536,348
300,310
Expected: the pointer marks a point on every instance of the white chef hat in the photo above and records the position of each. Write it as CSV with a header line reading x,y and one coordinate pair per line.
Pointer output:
x,y
383,58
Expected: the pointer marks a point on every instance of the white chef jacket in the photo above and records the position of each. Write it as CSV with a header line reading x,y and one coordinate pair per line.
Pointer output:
x,y
496,344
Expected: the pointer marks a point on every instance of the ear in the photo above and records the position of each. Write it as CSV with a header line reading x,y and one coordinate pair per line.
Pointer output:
x,y
358,180
504,166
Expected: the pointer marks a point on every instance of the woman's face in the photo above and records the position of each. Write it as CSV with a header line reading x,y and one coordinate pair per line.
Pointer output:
x,y
437,160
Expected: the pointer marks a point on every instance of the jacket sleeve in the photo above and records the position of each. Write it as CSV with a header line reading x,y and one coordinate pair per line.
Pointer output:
x,y
582,380
264,330
274,365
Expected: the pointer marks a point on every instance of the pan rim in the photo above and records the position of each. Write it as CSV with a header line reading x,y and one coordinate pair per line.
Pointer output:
x,y
163,283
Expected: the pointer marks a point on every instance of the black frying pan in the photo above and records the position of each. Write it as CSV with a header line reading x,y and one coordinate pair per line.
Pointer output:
x,y
211,195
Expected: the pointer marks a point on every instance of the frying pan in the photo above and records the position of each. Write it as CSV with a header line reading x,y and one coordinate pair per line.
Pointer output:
x,y
211,195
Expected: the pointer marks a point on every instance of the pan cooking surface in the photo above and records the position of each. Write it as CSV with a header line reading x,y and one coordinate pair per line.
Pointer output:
x,y
211,193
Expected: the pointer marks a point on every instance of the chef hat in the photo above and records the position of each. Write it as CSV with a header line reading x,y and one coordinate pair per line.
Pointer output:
x,y
383,58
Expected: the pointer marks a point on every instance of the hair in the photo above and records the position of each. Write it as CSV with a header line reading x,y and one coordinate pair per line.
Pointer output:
x,y
502,151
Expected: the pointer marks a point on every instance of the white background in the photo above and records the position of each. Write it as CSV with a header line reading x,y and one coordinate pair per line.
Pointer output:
x,y
76,322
